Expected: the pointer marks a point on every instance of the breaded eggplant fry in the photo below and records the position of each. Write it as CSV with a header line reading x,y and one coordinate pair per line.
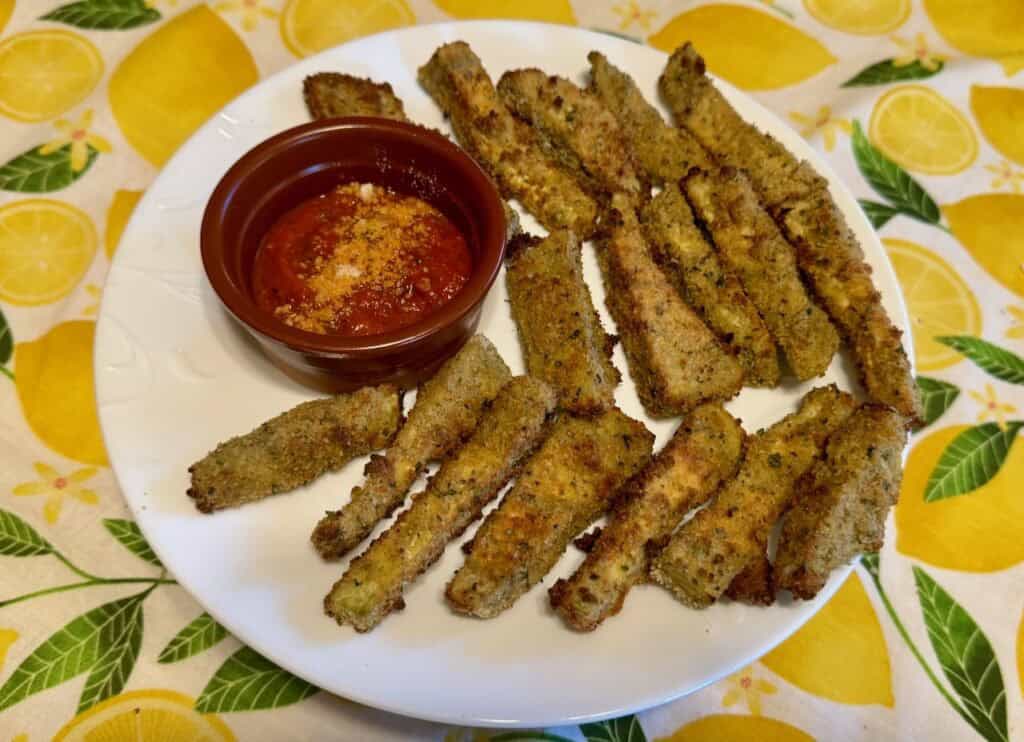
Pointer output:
x,y
372,586
753,585
448,408
676,362
561,335
692,266
751,246
563,488
707,553
799,200
332,94
505,146
296,447
841,504
577,129
664,152
704,452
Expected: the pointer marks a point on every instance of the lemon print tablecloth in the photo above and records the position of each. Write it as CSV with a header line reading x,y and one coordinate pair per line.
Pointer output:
x,y
919,105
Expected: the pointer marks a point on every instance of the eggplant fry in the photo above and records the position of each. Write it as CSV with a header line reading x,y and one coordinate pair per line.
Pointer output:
x,y
448,408
676,362
505,146
750,244
296,447
563,488
691,264
754,585
663,151
707,553
841,504
703,453
333,94
561,335
372,586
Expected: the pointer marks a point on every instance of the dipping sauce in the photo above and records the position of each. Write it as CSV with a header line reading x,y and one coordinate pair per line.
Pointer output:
x,y
360,260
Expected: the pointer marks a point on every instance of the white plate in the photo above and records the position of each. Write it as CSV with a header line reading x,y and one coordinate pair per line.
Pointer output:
x,y
175,375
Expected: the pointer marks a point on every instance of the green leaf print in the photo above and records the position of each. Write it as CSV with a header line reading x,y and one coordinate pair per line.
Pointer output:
x,y
623,729
6,346
970,460
105,15
997,361
892,182
19,539
884,72
936,397
119,644
128,533
248,681
201,634
32,172
966,657
878,214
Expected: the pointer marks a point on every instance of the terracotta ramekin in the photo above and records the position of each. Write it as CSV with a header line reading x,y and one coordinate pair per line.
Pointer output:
x,y
311,159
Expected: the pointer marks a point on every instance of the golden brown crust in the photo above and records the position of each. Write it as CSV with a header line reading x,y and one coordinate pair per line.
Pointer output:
x,y
560,332
295,448
753,585
448,408
563,488
333,94
842,502
702,453
506,147
372,585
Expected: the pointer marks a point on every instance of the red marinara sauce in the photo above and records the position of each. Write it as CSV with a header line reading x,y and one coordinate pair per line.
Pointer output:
x,y
360,260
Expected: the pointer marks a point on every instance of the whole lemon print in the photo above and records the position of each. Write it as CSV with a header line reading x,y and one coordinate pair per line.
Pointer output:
x,y
975,532
553,11
189,67
991,228
984,28
55,385
1000,116
867,17
922,131
44,73
774,53
309,26
737,728
120,211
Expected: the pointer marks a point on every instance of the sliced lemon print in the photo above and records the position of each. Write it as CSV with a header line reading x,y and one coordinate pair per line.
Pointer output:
x,y
868,17
552,11
1000,116
774,53
6,8
45,73
46,247
55,384
991,228
975,532
189,67
736,728
120,211
938,301
840,654
309,26
984,28
145,716
922,131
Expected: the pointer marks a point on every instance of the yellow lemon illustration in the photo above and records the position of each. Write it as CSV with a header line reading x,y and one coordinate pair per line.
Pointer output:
x,y
120,211
938,301
1000,116
309,26
840,653
552,11
975,532
189,67
6,8
868,17
984,28
46,246
145,716
7,638
991,228
55,384
44,73
737,728
750,49
922,131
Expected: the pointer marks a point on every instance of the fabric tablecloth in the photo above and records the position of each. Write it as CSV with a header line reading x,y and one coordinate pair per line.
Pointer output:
x,y
918,106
